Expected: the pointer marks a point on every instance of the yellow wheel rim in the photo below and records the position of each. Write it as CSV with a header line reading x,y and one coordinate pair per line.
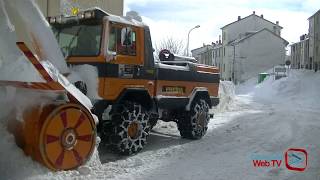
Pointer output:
x,y
133,130
67,137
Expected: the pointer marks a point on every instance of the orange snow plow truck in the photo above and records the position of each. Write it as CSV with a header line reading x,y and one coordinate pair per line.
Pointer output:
x,y
134,92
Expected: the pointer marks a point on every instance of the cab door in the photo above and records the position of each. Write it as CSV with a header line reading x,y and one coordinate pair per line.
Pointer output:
x,y
125,54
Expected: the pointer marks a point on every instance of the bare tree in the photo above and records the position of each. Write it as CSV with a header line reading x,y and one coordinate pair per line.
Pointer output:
x,y
175,46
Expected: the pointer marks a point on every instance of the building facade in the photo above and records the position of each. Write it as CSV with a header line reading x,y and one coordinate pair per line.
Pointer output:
x,y
300,53
203,54
209,54
57,7
314,40
250,45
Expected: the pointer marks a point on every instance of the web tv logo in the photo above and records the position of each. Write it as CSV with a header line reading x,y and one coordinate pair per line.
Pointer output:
x,y
296,159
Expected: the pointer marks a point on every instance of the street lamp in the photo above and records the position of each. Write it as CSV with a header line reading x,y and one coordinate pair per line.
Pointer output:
x,y
197,26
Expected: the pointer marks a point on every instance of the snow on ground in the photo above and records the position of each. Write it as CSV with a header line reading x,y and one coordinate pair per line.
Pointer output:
x,y
30,23
267,119
260,119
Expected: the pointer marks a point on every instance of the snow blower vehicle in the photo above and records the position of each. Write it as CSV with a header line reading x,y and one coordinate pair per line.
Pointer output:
x,y
60,133
135,90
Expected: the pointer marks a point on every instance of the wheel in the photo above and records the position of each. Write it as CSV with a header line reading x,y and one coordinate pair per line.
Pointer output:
x,y
128,129
60,137
193,124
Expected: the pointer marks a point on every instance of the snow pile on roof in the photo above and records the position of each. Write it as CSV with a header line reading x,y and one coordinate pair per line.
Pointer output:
x,y
134,15
226,95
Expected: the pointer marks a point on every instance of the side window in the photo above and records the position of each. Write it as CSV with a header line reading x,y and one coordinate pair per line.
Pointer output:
x,y
112,40
122,41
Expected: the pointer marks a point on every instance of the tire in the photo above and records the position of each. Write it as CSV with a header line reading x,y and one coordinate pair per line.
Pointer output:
x,y
193,124
128,130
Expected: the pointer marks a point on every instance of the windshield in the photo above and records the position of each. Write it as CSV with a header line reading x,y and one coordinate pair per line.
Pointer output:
x,y
79,39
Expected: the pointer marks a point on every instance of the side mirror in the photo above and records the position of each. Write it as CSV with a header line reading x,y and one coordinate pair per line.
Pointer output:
x,y
126,36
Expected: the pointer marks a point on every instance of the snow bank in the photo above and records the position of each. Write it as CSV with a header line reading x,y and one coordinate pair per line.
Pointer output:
x,y
294,88
13,163
33,29
299,85
226,95
21,19
13,65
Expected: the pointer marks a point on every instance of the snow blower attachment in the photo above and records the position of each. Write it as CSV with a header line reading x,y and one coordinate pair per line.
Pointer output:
x,y
60,134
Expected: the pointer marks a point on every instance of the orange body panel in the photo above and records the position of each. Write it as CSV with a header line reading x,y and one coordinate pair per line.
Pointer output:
x,y
189,87
114,86
205,68
82,59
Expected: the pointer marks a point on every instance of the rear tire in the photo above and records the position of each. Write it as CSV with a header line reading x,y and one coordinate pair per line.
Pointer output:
x,y
128,129
193,124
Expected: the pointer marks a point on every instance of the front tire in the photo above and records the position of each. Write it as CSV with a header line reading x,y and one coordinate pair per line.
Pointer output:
x,y
129,128
193,124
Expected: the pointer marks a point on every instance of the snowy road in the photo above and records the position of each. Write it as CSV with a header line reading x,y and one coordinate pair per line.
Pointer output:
x,y
224,153
263,121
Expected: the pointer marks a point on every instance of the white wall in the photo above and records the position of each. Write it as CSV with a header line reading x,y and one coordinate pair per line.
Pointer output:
x,y
311,40
258,54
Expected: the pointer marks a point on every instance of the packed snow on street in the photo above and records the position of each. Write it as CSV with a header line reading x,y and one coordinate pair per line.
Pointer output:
x,y
259,131
257,122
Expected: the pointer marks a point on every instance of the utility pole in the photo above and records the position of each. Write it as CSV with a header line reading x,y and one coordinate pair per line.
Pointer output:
x,y
233,63
197,26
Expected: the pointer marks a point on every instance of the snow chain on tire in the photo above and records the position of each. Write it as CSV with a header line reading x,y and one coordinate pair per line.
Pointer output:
x,y
194,123
129,128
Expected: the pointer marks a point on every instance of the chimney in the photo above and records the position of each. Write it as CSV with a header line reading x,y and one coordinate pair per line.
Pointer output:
x,y
254,12
217,42
219,38
277,22
239,18
261,16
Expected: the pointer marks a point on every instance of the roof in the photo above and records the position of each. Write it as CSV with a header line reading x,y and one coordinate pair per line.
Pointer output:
x,y
206,47
248,17
255,33
302,41
314,14
99,13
